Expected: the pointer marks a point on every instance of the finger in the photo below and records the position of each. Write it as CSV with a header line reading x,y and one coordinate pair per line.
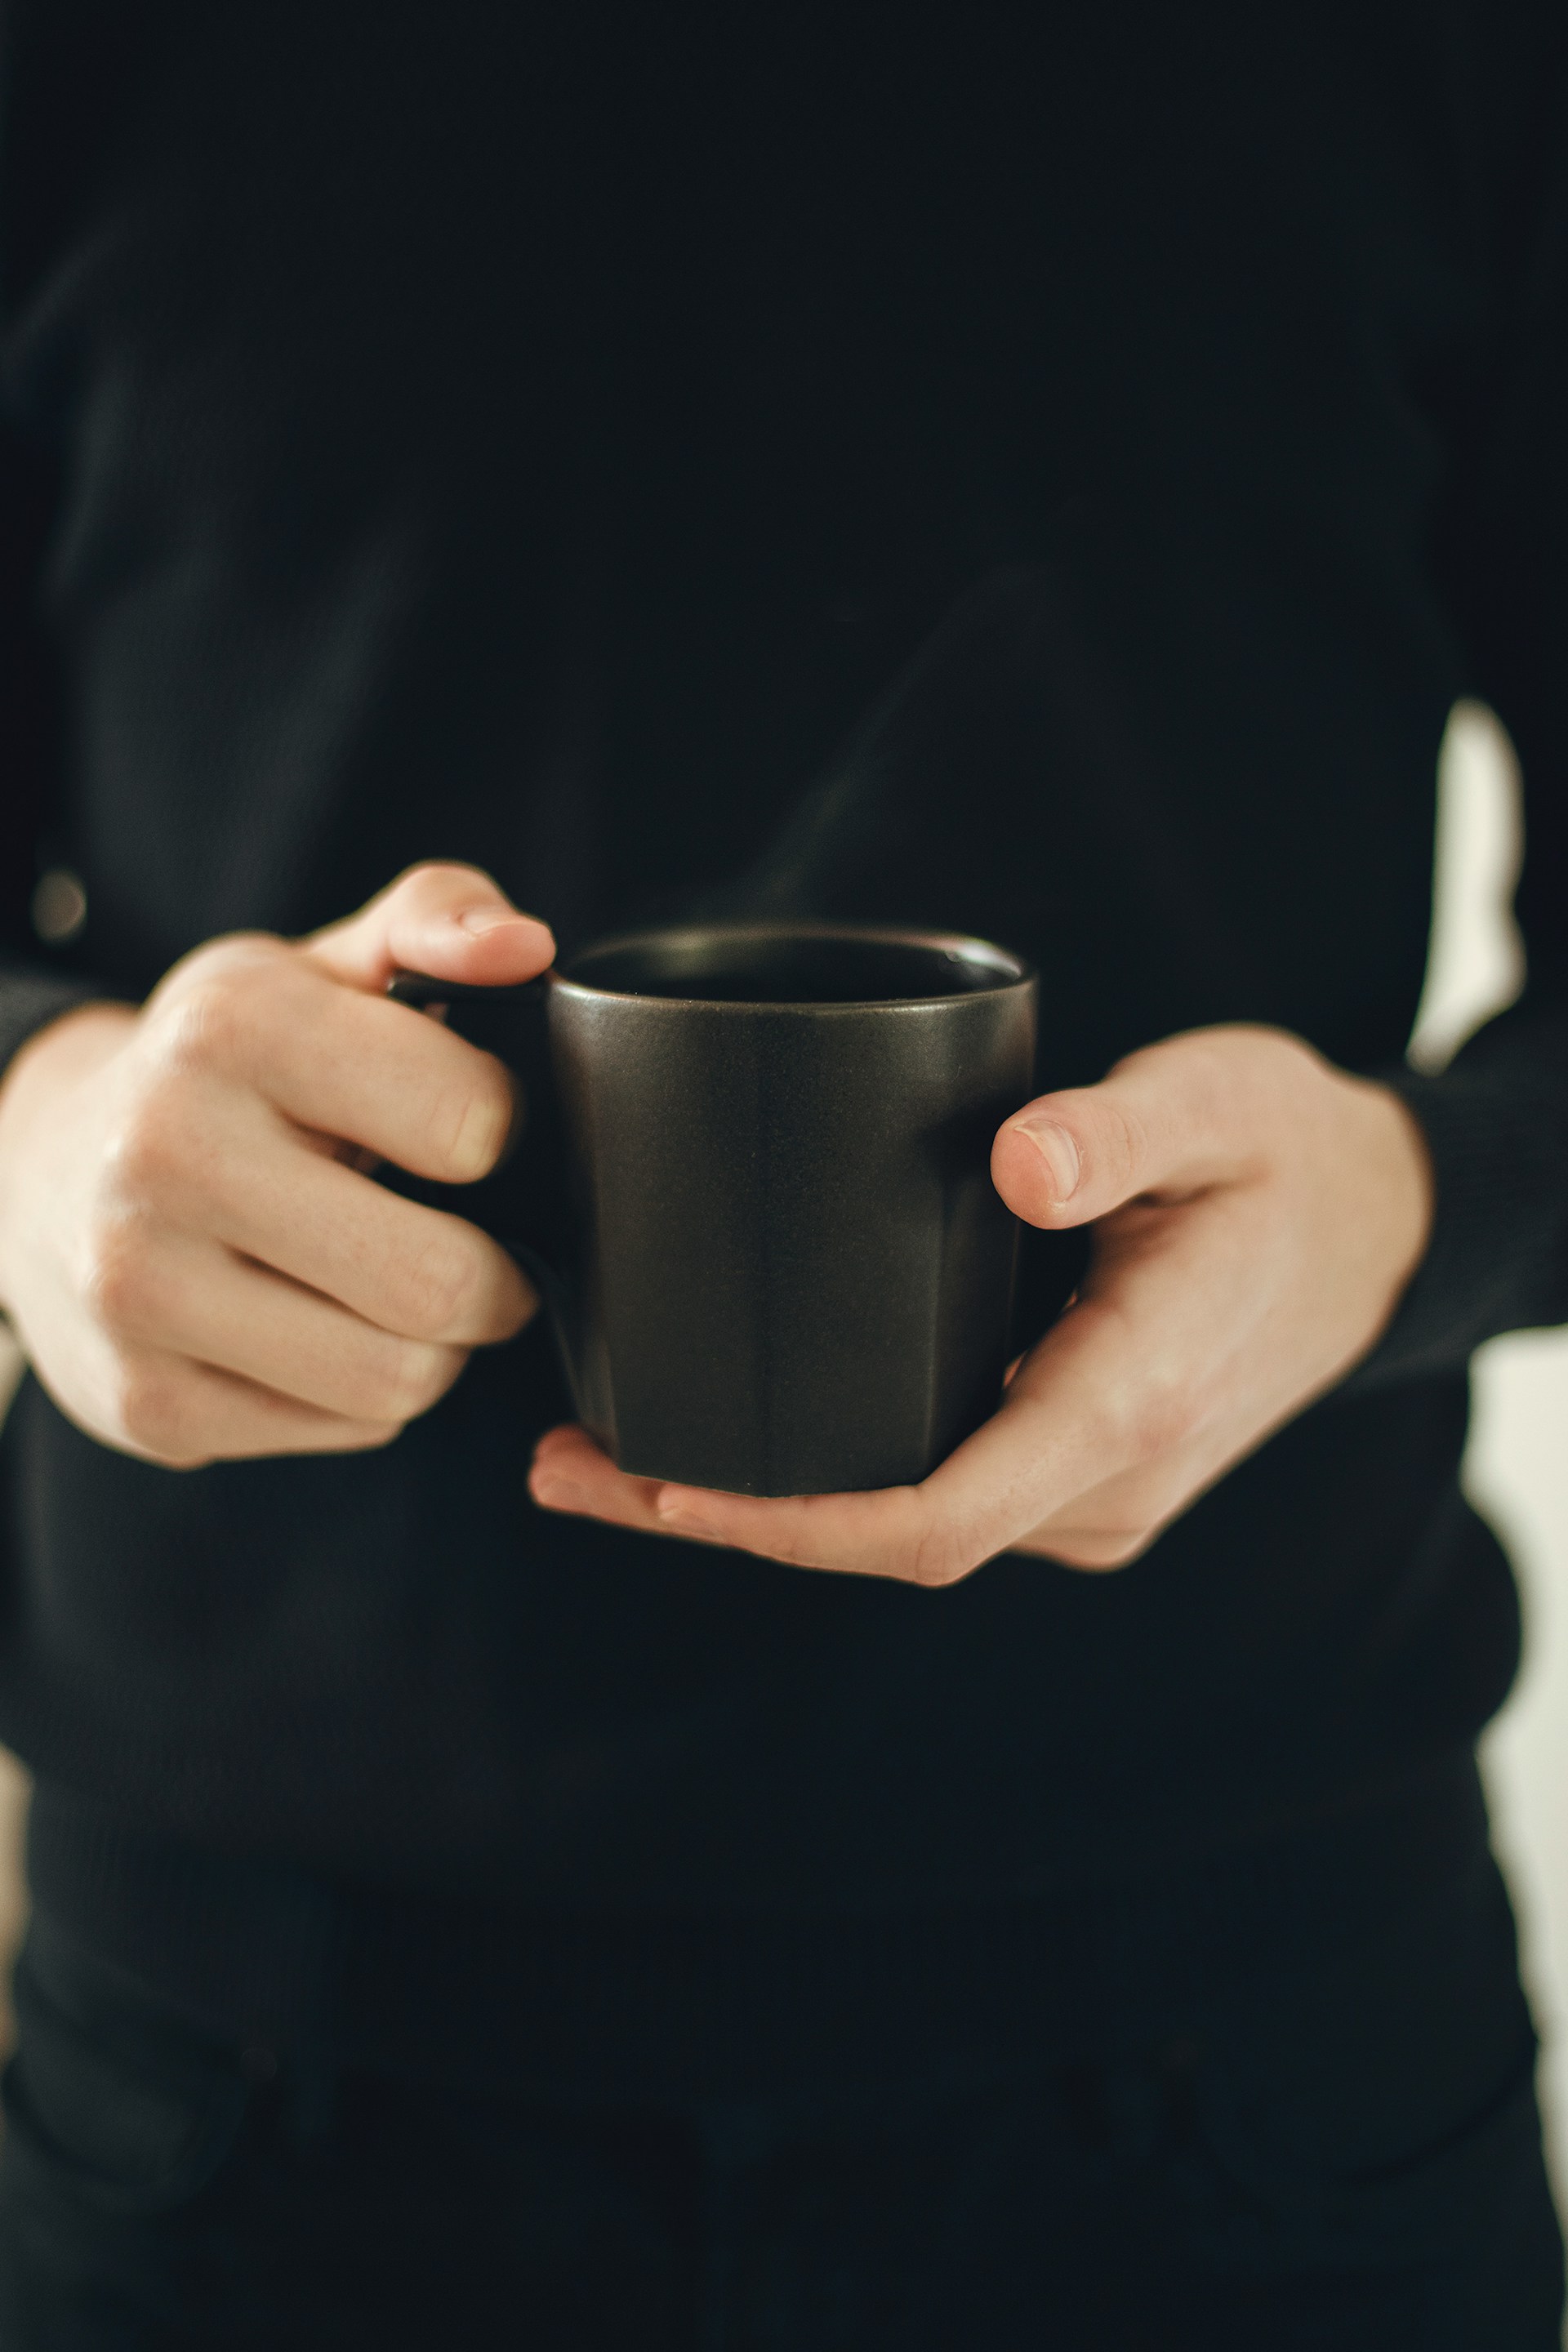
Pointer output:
x,y
191,1299
419,1272
930,1534
356,1067
453,921
1118,1521
914,1534
183,1415
886,1533
571,1474
1124,1377
1190,1112
997,1487
1131,1382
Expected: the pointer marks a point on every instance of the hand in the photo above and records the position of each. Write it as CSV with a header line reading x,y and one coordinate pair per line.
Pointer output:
x,y
1256,1215
193,1252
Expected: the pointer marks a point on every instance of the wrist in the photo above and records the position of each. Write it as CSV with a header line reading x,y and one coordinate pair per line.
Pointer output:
x,y
64,1055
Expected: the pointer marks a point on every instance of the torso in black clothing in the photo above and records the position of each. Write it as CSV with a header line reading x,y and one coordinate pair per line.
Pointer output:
x,y
992,470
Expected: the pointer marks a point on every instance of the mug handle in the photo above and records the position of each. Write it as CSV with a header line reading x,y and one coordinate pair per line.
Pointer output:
x,y
421,988
554,1279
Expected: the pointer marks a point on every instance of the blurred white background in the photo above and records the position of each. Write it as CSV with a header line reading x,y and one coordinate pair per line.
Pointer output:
x,y
1517,1468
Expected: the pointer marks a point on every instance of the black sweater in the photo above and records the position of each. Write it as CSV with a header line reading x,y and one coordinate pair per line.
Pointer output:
x,y
1048,472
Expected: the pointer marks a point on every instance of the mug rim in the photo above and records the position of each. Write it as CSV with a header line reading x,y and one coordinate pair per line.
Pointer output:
x,y
1013,970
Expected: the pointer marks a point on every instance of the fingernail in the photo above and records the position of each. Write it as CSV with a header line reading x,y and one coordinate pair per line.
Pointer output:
x,y
1057,1149
480,920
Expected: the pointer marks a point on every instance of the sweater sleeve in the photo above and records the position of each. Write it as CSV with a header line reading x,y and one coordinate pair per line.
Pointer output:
x,y
1496,1124
30,1000
1495,1120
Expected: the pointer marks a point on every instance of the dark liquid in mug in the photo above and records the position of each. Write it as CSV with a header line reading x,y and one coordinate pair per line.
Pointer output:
x,y
713,970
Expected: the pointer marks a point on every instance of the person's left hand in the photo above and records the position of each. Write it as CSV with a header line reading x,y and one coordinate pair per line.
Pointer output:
x,y
1257,1214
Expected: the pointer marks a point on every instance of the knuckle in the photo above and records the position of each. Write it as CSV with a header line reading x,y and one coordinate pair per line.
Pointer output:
x,y
472,1124
120,1279
439,877
935,1555
212,1020
1162,1421
1156,1418
437,1288
206,1030
1122,1141
412,1378
155,1415
153,1144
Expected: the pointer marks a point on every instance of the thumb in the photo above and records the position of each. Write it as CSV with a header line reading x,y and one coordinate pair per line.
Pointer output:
x,y
451,921
1170,1119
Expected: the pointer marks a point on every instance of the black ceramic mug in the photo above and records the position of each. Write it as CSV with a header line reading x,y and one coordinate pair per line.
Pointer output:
x,y
785,1268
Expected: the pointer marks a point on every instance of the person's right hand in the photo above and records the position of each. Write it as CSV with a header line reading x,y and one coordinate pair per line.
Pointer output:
x,y
191,1253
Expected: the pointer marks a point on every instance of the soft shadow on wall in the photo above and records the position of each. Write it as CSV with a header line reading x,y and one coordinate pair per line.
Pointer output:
x,y
1517,1469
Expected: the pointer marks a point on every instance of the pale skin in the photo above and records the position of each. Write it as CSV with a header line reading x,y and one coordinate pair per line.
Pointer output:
x,y
1256,1215
193,1252
201,1266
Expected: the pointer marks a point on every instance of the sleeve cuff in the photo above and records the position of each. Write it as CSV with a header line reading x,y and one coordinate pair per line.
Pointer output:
x,y
30,1001
1498,1257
